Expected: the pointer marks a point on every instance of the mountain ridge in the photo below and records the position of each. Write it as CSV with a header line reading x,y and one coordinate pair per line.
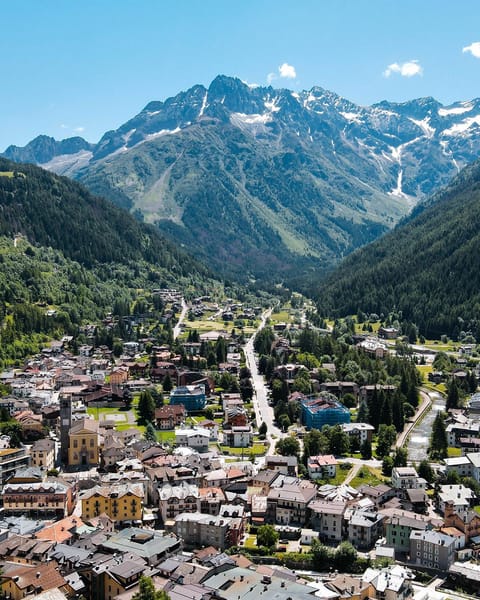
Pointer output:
x,y
300,179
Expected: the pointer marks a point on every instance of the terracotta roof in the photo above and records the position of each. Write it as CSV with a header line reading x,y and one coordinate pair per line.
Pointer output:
x,y
41,576
61,530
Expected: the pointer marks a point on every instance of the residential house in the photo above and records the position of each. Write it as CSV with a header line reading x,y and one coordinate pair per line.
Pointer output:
x,y
48,498
360,432
286,465
22,580
459,498
211,500
378,494
197,529
398,526
391,583
42,454
340,388
12,459
388,333
288,504
176,499
460,465
327,518
151,545
348,587
404,478
195,438
122,503
264,478
238,436
170,416
432,549
468,523
322,466
365,527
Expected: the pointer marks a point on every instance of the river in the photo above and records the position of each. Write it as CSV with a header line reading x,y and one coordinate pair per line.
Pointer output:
x,y
419,439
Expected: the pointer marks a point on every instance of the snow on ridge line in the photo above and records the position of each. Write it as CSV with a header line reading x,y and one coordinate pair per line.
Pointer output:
x,y
456,110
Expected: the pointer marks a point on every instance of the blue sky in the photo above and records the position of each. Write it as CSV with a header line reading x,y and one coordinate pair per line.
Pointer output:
x,y
82,67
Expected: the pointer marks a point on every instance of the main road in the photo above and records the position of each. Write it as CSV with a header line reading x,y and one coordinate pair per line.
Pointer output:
x,y
178,327
263,411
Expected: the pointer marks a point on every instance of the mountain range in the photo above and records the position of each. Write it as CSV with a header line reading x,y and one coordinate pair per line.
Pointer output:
x,y
267,182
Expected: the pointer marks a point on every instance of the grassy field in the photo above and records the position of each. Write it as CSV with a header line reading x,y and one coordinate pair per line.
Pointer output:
x,y
6,174
166,437
337,480
256,449
369,476
453,452
282,316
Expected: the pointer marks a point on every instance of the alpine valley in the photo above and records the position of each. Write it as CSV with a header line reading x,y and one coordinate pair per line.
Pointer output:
x,y
265,182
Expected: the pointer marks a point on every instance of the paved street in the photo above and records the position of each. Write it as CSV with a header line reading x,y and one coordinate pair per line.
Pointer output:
x,y
263,412
177,330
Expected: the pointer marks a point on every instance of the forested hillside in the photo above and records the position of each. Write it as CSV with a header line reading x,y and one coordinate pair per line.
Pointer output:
x,y
427,267
68,257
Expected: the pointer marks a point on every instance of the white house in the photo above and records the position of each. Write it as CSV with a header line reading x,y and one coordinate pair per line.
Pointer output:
x,y
405,478
324,465
197,438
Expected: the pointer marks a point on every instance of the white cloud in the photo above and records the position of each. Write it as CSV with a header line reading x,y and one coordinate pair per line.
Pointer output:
x,y
285,71
474,49
79,129
271,77
63,126
406,69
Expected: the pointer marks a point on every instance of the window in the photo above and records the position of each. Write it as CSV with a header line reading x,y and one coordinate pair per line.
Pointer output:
x,y
92,443
75,443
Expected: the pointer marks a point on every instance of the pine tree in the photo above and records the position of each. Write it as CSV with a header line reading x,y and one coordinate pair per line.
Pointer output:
x,y
167,384
438,439
386,416
150,433
363,415
146,407
147,591
453,395
398,416
366,450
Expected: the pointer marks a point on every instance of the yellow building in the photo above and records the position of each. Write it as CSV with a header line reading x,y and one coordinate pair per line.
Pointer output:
x,y
83,444
119,502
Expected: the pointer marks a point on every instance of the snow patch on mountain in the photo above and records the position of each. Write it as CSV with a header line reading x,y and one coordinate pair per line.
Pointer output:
x,y
455,110
425,126
204,105
162,132
65,163
350,116
463,127
271,105
250,119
